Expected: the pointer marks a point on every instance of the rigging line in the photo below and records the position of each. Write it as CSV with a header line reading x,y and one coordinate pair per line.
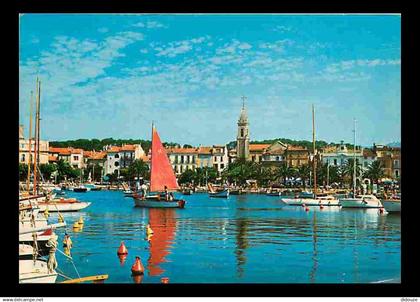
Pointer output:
x,y
72,262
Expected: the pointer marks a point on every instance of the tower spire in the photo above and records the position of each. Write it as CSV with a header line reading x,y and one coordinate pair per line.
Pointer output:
x,y
243,101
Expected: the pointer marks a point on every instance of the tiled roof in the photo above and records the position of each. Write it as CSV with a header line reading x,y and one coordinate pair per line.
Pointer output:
x,y
182,150
128,148
296,148
258,147
65,151
205,150
145,158
52,158
97,155
113,149
368,153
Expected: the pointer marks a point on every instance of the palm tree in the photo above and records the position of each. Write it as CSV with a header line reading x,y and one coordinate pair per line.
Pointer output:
x,y
348,168
375,171
303,173
285,172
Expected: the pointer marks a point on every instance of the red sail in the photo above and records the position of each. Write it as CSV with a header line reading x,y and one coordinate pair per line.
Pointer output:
x,y
161,174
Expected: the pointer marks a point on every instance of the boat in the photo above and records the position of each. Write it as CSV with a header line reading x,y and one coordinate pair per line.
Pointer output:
x,y
31,271
218,194
80,189
361,201
187,192
162,177
273,193
312,198
392,205
63,205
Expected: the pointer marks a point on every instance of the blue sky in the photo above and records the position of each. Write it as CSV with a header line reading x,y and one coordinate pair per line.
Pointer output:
x,y
111,75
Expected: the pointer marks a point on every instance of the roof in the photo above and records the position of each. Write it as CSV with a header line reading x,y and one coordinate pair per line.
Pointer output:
x,y
128,148
96,155
296,148
52,158
145,158
258,147
368,153
205,150
275,152
183,150
113,149
61,151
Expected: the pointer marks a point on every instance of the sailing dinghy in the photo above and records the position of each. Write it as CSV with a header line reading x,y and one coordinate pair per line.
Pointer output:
x,y
161,176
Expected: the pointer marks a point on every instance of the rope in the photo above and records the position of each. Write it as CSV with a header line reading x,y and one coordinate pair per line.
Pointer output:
x,y
71,260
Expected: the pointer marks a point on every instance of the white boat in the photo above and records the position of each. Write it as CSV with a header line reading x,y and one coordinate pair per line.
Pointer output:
x,y
392,205
26,252
150,203
361,201
220,194
65,205
31,271
317,201
41,238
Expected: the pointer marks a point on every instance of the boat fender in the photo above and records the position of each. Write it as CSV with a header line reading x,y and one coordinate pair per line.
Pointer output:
x,y
307,209
137,268
60,218
122,250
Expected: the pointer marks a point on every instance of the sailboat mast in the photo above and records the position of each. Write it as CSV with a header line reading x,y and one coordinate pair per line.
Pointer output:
x,y
354,159
36,142
314,150
151,154
39,128
28,182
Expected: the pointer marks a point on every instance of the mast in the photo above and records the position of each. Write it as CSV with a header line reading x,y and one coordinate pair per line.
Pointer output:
x,y
28,182
354,159
36,140
151,153
313,141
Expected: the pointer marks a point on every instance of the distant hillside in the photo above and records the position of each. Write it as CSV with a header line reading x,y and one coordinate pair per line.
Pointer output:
x,y
394,144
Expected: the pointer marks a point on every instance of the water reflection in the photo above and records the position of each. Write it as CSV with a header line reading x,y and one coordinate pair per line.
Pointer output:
x,y
312,273
241,245
163,224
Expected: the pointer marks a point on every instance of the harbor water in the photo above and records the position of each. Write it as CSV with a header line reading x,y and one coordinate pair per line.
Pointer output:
x,y
243,239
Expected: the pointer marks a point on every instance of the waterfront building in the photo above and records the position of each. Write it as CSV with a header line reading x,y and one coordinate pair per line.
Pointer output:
x,y
204,157
121,157
24,149
242,139
73,156
220,157
274,155
339,155
296,156
390,158
182,159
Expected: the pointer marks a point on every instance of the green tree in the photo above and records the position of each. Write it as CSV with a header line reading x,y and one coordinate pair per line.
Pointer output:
x,y
304,173
47,170
348,168
375,171
23,171
284,172
138,168
187,177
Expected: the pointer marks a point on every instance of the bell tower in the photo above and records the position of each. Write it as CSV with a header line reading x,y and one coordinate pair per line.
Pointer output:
x,y
242,139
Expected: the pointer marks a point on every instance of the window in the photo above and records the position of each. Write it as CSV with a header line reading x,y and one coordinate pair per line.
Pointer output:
x,y
182,159
116,164
215,166
335,162
176,159
22,159
117,156
397,173
278,158
76,157
222,166
242,132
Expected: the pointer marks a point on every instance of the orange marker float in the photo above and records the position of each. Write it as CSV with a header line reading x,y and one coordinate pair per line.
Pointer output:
x,y
137,268
122,250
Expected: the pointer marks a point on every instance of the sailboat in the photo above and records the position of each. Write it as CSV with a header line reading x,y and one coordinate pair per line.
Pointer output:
x,y
317,199
359,201
161,176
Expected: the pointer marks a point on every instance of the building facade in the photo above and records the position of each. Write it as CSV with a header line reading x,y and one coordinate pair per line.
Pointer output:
x,y
118,158
26,152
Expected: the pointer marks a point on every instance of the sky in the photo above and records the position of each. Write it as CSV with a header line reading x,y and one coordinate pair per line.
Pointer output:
x,y
111,75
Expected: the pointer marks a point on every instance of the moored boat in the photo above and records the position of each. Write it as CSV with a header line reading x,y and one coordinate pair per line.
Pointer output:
x,y
392,205
162,180
37,271
361,201
80,189
220,194
63,205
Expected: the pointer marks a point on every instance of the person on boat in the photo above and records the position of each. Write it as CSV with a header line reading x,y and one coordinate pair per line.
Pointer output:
x,y
144,189
166,194
171,196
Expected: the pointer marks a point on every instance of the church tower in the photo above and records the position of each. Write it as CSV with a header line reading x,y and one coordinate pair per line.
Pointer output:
x,y
242,140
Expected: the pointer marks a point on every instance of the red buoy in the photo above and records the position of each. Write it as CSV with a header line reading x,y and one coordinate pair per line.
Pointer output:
x,y
321,206
137,268
164,280
306,209
122,250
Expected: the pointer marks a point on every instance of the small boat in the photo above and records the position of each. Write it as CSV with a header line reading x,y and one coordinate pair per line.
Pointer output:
x,y
392,205
128,193
31,271
187,192
63,205
80,189
162,177
361,201
273,193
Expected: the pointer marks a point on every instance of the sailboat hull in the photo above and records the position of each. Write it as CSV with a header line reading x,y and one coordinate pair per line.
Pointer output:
x,y
310,202
147,203
392,206
63,206
35,272
360,203
222,194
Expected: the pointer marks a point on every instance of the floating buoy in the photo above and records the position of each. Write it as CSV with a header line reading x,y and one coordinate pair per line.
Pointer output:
x,y
149,237
122,249
321,206
164,280
137,268
307,209
303,205
60,218
81,222
46,213
76,225
67,251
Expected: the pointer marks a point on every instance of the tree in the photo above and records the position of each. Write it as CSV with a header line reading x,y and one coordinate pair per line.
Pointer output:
x,y
187,177
375,171
138,168
47,170
284,172
23,171
348,170
304,173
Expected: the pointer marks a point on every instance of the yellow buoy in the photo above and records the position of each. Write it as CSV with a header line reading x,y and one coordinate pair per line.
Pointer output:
x,y
46,213
76,225
149,230
60,218
81,220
